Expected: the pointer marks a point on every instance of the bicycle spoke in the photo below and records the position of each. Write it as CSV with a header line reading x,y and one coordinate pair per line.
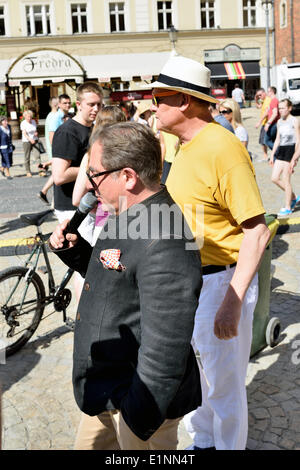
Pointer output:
x,y
21,306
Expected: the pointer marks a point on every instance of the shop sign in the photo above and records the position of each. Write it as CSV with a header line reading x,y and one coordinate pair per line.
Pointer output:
x,y
219,93
36,82
13,82
46,63
232,53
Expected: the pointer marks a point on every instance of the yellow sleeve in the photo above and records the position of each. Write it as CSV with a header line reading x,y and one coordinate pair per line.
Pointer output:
x,y
239,194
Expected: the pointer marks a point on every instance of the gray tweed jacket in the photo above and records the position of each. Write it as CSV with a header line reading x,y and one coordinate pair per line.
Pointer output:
x,y
133,329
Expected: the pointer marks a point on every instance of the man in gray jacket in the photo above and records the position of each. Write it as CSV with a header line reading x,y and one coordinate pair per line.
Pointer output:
x,y
135,373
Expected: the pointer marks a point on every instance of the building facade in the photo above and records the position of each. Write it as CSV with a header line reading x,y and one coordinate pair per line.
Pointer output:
x,y
287,31
48,47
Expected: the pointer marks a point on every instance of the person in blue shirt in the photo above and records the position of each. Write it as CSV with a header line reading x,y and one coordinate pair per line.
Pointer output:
x,y
219,117
6,147
59,110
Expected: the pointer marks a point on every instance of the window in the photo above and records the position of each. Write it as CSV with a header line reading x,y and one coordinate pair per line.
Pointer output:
x,y
79,18
117,17
283,15
164,12
207,14
294,83
249,13
38,20
2,22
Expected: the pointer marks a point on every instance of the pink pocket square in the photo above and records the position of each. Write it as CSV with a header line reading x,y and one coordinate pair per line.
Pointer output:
x,y
111,259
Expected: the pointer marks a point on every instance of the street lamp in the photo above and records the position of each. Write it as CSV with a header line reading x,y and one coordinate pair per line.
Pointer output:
x,y
266,4
173,38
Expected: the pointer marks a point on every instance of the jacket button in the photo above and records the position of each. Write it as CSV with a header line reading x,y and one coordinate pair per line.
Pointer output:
x,y
78,316
86,286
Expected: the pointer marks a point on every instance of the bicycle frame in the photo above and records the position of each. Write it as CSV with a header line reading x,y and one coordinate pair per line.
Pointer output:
x,y
51,283
26,299
38,249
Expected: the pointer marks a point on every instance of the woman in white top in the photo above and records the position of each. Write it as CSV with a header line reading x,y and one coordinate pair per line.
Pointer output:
x,y
287,139
29,139
231,110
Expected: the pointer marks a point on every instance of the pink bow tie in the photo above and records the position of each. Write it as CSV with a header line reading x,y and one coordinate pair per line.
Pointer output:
x,y
111,259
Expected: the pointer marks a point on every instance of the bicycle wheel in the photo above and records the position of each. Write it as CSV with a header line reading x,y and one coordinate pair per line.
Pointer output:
x,y
20,309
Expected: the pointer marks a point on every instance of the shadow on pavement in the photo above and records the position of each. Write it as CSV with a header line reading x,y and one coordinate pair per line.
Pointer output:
x,y
11,225
15,224
273,392
279,247
20,364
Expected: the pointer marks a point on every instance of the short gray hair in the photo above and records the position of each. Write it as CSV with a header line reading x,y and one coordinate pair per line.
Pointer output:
x,y
3,118
132,145
28,112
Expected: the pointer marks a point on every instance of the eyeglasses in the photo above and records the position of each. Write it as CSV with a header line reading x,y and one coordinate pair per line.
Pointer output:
x,y
156,99
226,111
91,177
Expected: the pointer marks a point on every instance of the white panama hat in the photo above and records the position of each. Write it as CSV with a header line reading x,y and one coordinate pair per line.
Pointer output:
x,y
186,76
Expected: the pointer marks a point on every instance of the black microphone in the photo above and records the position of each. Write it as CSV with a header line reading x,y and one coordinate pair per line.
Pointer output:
x,y
87,203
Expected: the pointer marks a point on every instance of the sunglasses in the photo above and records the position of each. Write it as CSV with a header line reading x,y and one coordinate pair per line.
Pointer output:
x,y
157,98
226,111
91,177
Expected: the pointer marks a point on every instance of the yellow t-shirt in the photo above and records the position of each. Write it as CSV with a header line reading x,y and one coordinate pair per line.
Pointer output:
x,y
213,181
265,105
171,142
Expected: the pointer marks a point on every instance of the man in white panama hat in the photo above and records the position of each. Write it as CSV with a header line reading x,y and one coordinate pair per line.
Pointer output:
x,y
213,172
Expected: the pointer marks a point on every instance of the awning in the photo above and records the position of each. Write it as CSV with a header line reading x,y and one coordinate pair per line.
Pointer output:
x,y
124,66
44,65
234,70
40,81
4,64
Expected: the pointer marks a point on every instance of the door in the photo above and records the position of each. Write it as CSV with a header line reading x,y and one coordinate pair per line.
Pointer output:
x,y
43,97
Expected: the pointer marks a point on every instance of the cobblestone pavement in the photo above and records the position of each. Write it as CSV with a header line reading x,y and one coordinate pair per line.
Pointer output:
x,y
38,408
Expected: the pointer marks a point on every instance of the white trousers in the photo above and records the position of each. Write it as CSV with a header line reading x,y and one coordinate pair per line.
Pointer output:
x,y
222,419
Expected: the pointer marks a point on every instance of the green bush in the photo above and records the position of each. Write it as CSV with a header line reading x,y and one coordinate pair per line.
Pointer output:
x,y
3,110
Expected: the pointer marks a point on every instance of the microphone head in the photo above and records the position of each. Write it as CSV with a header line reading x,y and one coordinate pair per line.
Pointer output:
x,y
87,202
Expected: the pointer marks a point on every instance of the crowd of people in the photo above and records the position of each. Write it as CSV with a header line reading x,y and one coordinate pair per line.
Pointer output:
x,y
132,380
153,292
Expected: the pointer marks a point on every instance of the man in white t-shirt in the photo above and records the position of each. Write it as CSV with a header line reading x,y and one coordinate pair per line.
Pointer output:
x,y
238,95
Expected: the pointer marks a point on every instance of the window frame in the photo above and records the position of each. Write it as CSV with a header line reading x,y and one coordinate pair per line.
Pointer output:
x,y
249,8
127,24
2,17
164,13
207,9
283,21
116,13
69,23
79,16
45,15
52,24
6,17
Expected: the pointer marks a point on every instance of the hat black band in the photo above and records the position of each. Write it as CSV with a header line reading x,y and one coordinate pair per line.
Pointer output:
x,y
180,83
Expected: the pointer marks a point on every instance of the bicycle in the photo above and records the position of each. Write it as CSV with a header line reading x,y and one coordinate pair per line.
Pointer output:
x,y
22,292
